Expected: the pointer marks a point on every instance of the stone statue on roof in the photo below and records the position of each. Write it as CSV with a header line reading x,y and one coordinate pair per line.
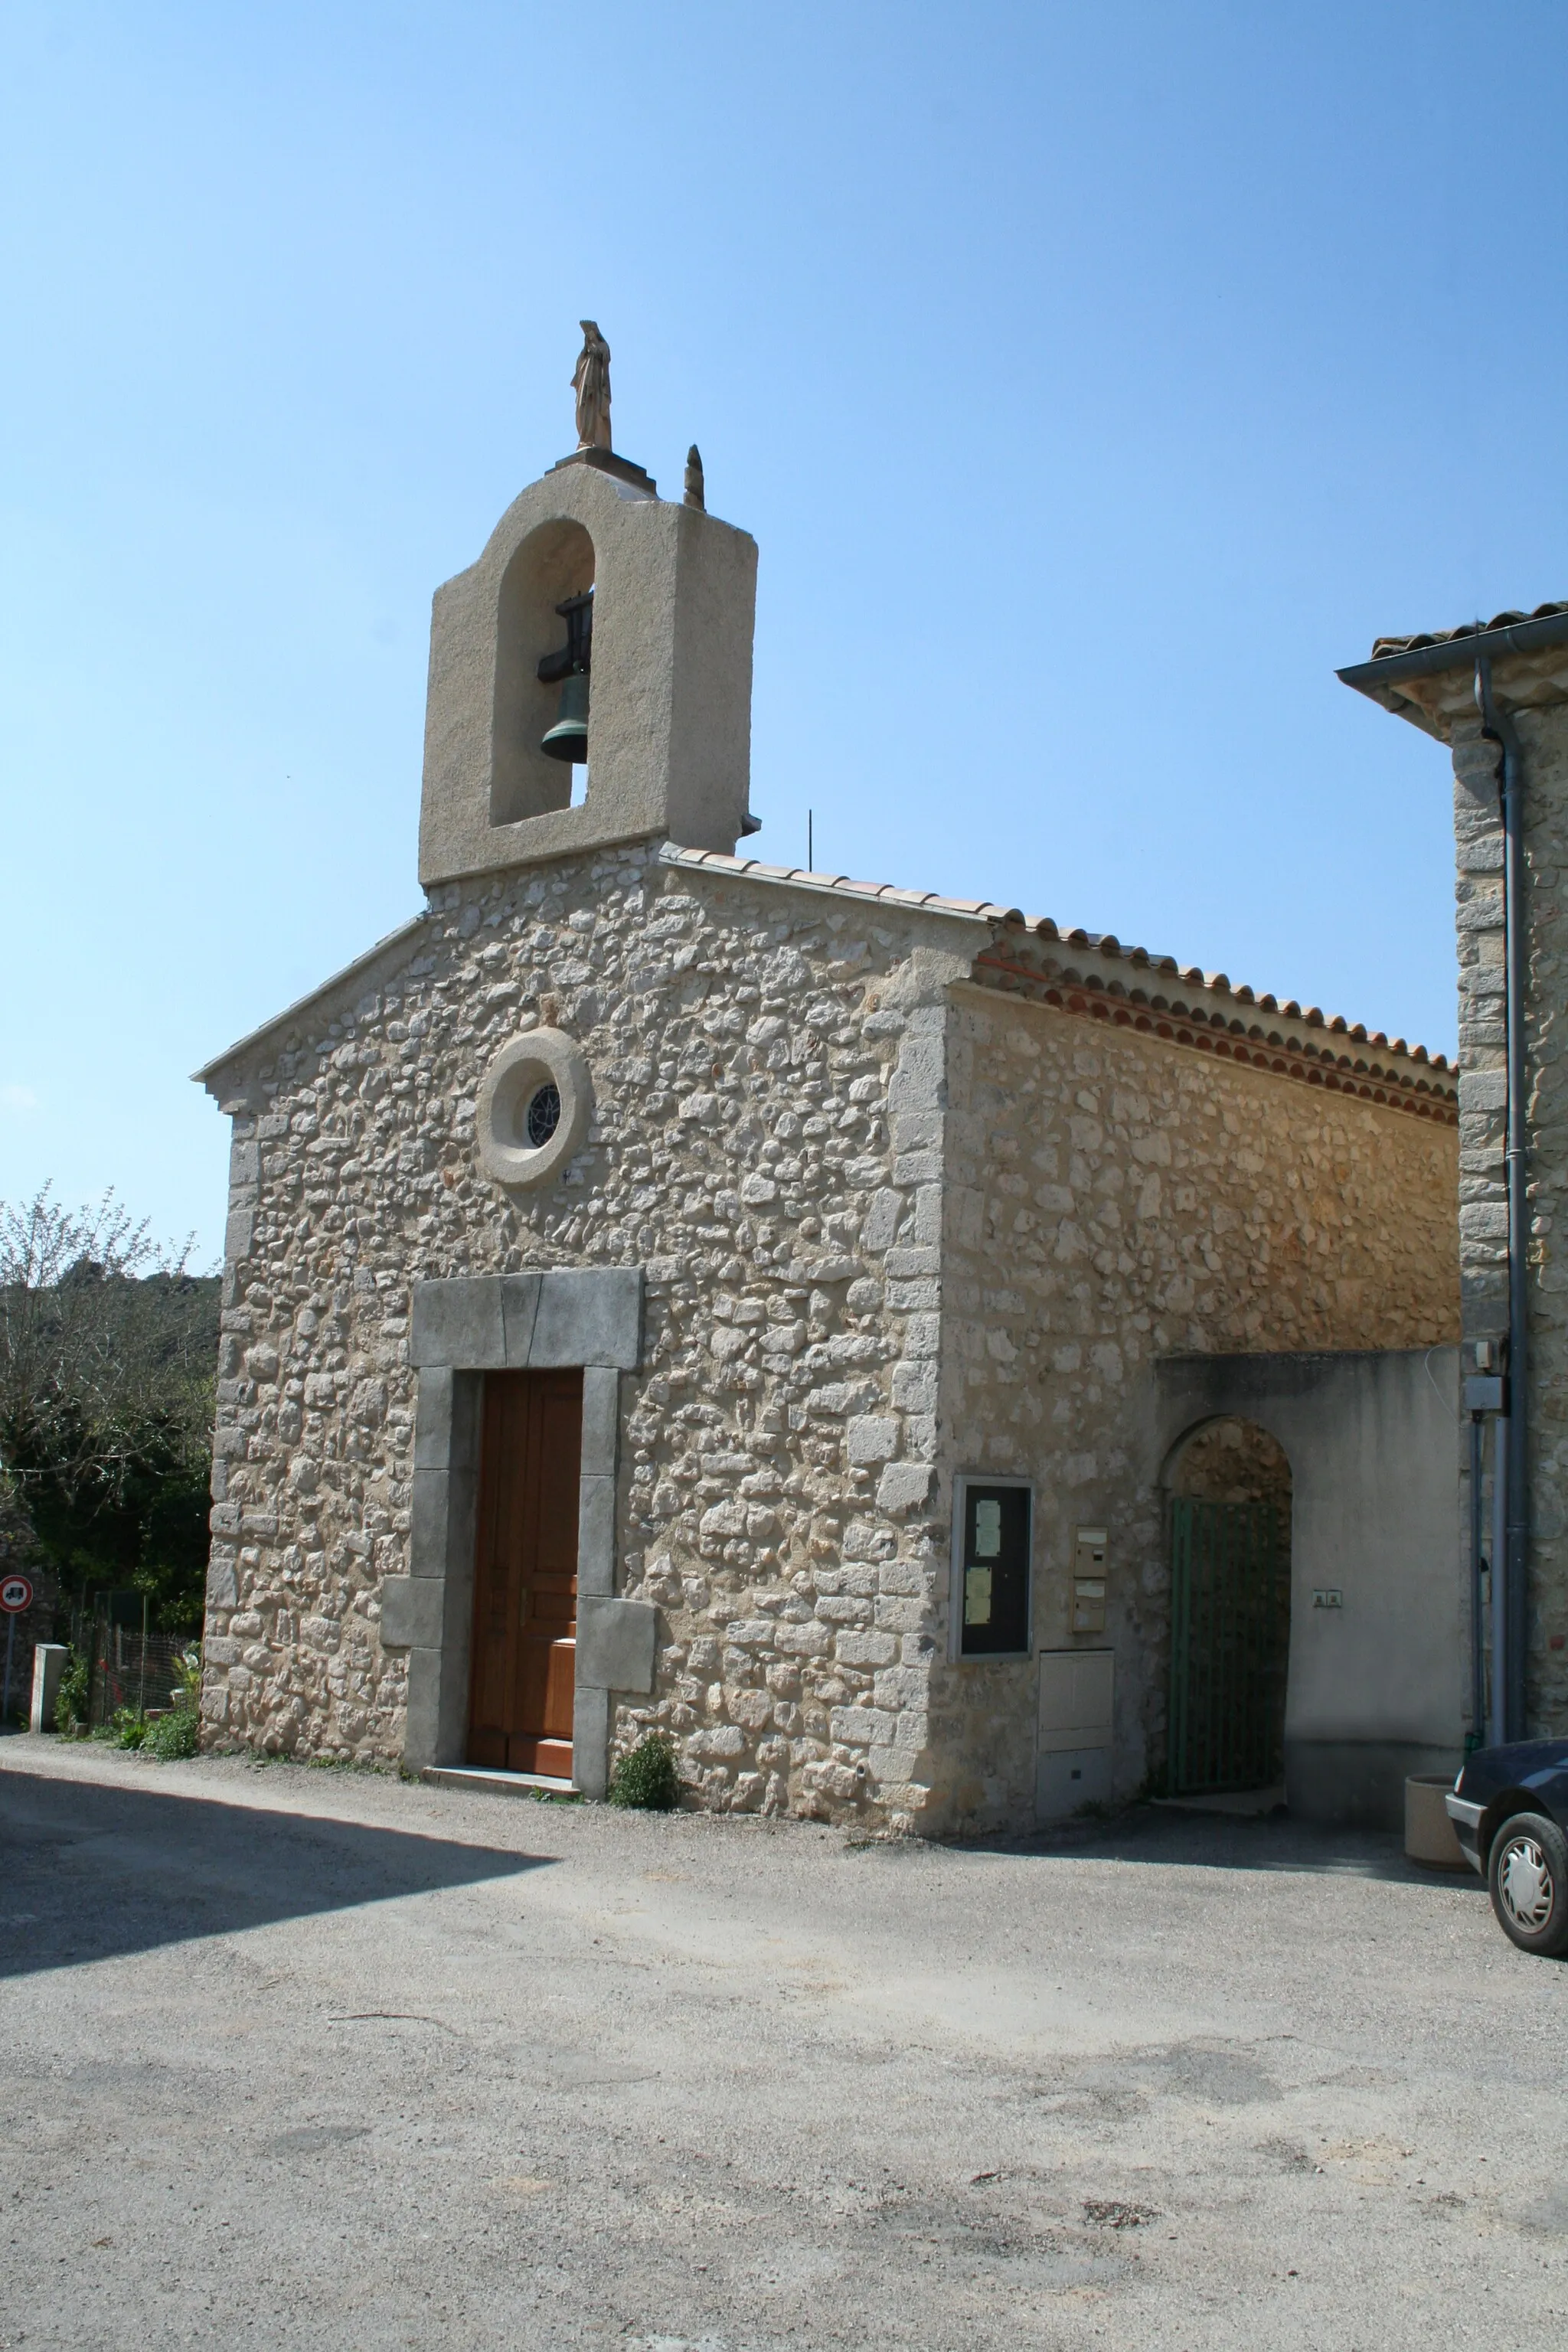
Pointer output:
x,y
591,382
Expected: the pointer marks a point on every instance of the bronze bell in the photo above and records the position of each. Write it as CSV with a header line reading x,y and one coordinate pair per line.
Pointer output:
x,y
568,739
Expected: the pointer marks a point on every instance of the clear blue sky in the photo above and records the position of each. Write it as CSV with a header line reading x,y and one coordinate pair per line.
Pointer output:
x,y
1094,380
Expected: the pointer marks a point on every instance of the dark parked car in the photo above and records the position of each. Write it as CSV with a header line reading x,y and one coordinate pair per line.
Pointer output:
x,y
1509,1807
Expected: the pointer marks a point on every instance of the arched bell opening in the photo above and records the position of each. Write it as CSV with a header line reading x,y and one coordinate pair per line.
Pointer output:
x,y
1229,1494
539,742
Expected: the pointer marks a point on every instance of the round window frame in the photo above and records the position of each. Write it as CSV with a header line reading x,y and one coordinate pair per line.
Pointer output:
x,y
539,1058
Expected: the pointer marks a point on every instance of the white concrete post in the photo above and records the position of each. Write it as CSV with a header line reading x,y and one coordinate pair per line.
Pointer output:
x,y
48,1665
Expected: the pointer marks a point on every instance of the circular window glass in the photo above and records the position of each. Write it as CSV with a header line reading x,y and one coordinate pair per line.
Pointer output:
x,y
543,1116
534,1108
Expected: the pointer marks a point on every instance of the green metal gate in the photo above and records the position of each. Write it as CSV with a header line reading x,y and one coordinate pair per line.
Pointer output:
x,y
1230,1636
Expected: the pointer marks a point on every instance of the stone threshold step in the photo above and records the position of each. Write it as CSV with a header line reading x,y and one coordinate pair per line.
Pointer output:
x,y
500,1784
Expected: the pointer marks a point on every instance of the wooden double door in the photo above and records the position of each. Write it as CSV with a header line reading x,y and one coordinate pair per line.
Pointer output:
x,y
525,1574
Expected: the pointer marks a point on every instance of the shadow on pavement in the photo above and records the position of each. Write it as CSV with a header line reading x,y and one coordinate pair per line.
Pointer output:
x,y
88,1873
1231,1842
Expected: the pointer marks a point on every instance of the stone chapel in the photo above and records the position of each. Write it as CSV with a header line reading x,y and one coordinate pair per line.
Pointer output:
x,y
669,1290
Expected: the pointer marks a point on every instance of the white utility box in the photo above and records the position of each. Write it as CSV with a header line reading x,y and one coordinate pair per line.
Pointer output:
x,y
1073,1749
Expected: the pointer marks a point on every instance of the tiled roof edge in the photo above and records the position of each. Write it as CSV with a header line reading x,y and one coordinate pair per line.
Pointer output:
x,y
1385,648
841,886
1096,943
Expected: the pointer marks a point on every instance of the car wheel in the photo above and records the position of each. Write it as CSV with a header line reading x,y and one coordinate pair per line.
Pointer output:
x,y
1528,1874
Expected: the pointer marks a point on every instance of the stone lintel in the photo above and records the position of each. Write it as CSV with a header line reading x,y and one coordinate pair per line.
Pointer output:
x,y
529,1322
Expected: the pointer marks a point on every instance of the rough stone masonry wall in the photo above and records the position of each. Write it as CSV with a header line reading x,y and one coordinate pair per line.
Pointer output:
x,y
767,1067
1483,1094
1115,1199
1483,1087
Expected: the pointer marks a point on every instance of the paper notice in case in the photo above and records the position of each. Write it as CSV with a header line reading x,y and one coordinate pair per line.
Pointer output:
x,y
987,1538
977,1594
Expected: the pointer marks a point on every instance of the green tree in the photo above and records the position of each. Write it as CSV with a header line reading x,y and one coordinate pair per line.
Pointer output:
x,y
108,1350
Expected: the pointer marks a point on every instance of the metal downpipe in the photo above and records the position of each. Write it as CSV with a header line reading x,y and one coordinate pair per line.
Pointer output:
x,y
1479,1708
1497,728
1495,1731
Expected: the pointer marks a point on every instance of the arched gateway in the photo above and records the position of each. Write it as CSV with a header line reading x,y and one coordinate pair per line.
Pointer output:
x,y
1338,1638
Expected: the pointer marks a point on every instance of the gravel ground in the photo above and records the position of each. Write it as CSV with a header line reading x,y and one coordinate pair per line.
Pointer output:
x,y
300,2057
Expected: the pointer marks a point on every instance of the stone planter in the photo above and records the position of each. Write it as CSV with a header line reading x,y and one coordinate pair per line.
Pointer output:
x,y
1428,1833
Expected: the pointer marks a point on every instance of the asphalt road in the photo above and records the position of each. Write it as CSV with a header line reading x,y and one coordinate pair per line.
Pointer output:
x,y
292,2057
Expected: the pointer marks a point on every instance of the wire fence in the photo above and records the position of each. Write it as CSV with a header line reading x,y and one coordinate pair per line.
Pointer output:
x,y
130,1665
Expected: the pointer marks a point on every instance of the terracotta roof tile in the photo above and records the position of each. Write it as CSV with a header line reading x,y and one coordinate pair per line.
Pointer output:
x,y
1385,646
1101,943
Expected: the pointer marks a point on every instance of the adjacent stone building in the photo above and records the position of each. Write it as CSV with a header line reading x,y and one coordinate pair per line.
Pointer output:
x,y
1435,681
822,1240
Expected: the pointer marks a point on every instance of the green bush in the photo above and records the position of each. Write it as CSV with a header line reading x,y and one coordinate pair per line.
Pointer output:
x,y
646,1780
173,1735
125,1728
70,1699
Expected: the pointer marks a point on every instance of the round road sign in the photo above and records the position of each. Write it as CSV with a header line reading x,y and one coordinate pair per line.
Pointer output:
x,y
15,1593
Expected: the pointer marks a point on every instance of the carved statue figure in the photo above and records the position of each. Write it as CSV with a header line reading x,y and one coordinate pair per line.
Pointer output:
x,y
591,382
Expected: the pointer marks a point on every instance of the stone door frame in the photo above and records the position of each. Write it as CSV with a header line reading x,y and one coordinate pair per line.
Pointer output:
x,y
459,1329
